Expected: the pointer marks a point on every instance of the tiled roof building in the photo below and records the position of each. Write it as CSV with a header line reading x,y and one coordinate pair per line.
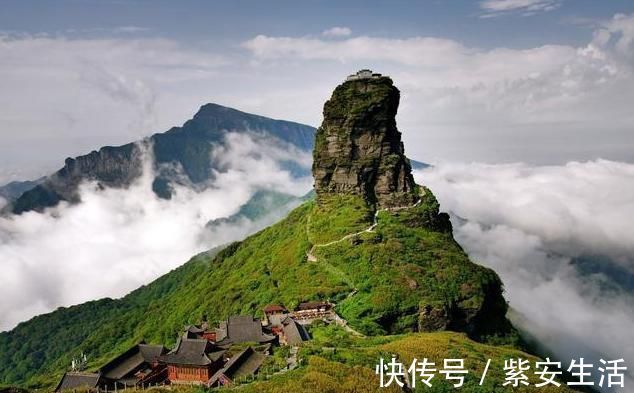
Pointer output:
x,y
243,329
243,364
137,366
75,380
193,361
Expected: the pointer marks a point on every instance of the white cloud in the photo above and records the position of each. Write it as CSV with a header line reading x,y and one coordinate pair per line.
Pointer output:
x,y
575,208
528,223
131,29
119,239
62,97
411,51
621,28
337,32
525,7
254,160
550,103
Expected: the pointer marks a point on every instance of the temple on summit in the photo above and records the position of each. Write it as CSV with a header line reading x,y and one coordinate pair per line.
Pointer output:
x,y
363,74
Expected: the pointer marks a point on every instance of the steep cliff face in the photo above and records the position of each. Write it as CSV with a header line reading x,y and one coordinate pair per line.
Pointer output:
x,y
110,166
358,149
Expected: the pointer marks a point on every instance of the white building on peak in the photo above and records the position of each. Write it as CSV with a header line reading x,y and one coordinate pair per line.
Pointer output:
x,y
363,74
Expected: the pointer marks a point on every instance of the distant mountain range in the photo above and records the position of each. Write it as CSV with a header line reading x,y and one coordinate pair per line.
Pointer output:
x,y
13,190
182,155
180,151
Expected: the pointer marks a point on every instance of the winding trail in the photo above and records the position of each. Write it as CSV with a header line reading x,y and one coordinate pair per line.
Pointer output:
x,y
338,272
310,254
313,258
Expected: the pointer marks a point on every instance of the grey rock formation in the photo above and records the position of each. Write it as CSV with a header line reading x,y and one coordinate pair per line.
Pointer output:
x,y
358,148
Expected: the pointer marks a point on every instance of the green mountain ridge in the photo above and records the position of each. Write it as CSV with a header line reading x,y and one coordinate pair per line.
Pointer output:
x,y
12,190
262,204
268,267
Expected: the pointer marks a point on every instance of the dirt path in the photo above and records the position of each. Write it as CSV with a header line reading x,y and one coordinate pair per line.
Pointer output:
x,y
310,254
313,258
338,272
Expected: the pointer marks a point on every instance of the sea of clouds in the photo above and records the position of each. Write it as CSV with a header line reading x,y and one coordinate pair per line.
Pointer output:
x,y
118,239
528,223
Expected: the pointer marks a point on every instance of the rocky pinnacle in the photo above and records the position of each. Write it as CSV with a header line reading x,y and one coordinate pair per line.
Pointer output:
x,y
358,149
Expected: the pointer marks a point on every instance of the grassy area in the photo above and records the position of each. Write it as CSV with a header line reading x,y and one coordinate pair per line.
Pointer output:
x,y
337,362
336,216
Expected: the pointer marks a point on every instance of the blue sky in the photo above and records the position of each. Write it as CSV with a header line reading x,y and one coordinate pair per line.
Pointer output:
x,y
234,21
537,81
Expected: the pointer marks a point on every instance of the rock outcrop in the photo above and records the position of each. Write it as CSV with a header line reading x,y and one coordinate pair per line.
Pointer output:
x,y
358,148
358,152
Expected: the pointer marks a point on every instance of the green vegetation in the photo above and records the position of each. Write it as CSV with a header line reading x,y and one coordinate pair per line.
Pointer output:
x,y
336,361
390,273
408,261
336,216
263,202
37,352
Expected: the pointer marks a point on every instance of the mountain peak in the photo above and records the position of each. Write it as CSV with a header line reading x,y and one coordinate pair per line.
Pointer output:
x,y
214,109
358,148
188,147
